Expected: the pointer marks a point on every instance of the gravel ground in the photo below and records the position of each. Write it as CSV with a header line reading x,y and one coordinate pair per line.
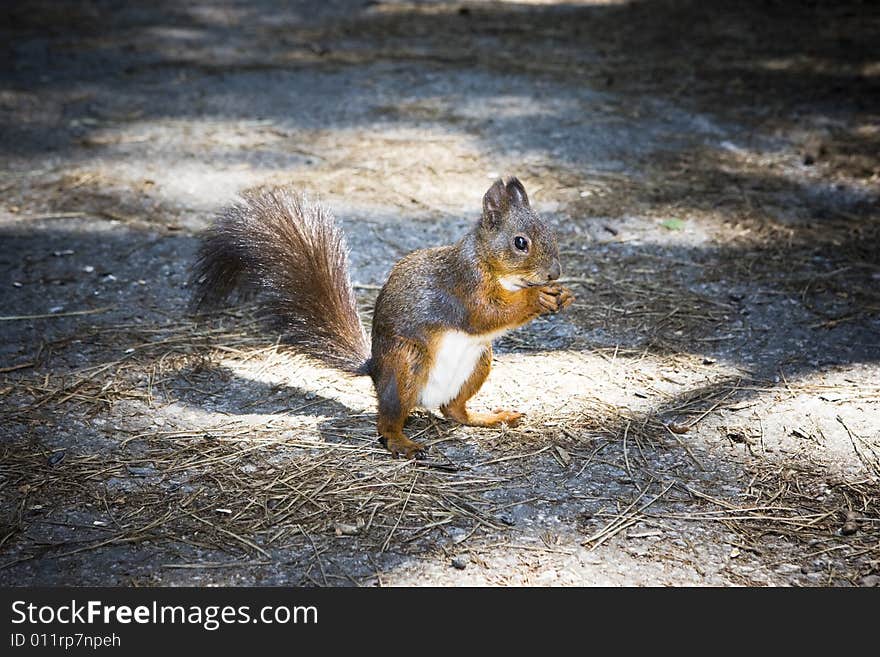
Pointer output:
x,y
707,413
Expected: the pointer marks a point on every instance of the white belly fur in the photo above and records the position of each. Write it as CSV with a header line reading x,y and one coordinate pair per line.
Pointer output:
x,y
457,355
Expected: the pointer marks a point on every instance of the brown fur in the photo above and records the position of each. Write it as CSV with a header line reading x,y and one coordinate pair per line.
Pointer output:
x,y
293,251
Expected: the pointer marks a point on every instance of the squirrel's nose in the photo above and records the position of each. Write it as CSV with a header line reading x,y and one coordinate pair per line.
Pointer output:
x,y
555,271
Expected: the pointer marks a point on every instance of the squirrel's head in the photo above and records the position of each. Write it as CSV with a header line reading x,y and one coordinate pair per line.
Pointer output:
x,y
518,247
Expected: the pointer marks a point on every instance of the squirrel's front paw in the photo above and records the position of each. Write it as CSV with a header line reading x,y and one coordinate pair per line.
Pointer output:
x,y
553,298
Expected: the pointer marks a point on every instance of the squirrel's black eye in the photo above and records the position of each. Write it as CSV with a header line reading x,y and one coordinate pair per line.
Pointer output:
x,y
521,243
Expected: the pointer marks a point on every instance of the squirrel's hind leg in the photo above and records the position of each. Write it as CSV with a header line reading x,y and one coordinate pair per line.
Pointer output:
x,y
457,409
397,392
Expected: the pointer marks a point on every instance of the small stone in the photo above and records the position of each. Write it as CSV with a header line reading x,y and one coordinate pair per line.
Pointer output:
x,y
460,562
788,568
347,529
851,523
849,528
563,456
870,580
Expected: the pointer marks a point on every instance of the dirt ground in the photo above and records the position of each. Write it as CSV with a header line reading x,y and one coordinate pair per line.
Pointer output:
x,y
707,413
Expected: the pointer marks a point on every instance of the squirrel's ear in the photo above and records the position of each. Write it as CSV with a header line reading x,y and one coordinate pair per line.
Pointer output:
x,y
517,193
496,202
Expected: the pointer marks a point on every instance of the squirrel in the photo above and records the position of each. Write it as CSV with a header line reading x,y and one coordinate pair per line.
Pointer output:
x,y
434,319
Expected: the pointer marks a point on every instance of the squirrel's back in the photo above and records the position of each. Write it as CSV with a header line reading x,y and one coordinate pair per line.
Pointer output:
x,y
279,243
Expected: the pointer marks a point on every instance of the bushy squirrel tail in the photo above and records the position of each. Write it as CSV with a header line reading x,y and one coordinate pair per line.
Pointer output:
x,y
277,242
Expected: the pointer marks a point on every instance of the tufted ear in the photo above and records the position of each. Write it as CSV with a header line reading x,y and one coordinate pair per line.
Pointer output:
x,y
517,193
500,199
496,202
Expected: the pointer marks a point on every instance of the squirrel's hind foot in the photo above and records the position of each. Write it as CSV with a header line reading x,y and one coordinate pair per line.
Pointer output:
x,y
493,419
400,445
